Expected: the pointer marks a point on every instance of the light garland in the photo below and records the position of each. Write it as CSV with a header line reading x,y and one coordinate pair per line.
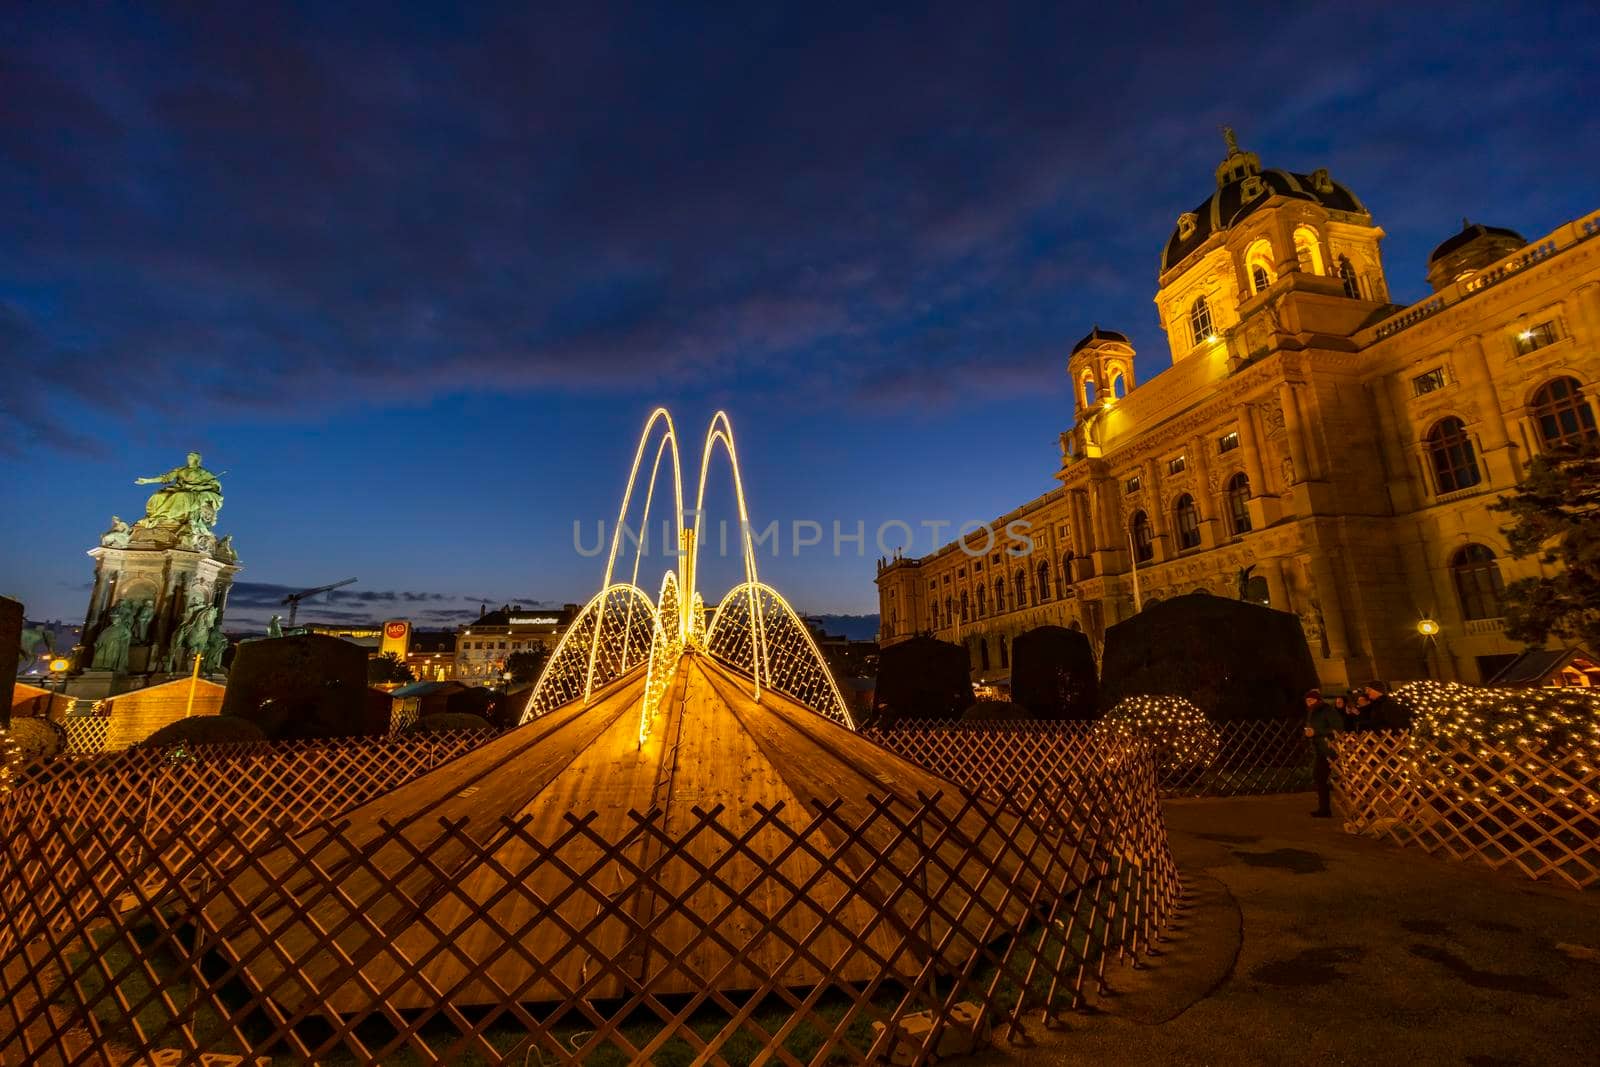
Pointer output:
x,y
1178,732
10,757
754,630
1535,750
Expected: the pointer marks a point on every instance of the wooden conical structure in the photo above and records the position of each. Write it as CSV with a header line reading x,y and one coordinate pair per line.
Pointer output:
x,y
414,933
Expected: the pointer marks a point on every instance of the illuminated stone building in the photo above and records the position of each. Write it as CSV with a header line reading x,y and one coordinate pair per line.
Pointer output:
x,y
482,648
1312,445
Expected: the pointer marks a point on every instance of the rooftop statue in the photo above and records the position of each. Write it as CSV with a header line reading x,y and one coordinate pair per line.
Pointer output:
x,y
188,495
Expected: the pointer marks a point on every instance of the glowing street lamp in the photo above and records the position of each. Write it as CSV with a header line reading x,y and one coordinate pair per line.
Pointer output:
x,y
1427,627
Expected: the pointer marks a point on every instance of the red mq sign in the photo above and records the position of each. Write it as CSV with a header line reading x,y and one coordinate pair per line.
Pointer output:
x,y
395,630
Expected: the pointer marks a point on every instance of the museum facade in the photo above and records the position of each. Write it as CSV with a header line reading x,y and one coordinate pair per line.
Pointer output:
x,y
1313,446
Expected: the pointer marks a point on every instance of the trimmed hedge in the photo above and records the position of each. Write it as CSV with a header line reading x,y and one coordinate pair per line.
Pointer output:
x,y
447,721
206,730
1234,660
1053,674
995,711
36,738
922,678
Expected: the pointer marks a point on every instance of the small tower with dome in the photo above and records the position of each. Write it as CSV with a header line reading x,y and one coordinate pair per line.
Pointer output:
x,y
1101,369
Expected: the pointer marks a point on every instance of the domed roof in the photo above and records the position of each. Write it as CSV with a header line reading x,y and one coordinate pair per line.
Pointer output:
x,y
1097,334
1472,231
1228,206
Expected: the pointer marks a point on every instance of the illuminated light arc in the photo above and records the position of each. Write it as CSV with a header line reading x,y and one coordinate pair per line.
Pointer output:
x,y
659,415
754,629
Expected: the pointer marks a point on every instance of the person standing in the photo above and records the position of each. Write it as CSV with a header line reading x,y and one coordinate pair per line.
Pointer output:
x,y
1383,712
1321,724
1348,711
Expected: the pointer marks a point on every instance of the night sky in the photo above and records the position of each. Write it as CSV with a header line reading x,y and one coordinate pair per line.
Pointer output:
x,y
414,280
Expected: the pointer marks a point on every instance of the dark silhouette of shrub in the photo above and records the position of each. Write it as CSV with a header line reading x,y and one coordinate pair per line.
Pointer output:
x,y
304,686
995,711
922,678
1053,674
1233,659
205,730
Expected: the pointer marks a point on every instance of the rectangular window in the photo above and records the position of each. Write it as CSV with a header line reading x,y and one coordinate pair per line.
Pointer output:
x,y
1228,442
1536,337
1132,484
1177,464
1427,383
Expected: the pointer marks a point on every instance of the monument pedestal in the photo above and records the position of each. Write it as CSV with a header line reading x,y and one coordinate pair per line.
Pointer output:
x,y
160,588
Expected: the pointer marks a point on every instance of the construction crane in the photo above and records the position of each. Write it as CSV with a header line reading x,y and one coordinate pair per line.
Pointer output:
x,y
293,599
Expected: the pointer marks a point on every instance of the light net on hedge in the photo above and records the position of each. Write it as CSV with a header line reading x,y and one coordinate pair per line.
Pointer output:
x,y
1505,777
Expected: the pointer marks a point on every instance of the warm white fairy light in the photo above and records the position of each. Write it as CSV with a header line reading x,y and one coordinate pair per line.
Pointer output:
x,y
1178,732
754,630
1539,746
10,757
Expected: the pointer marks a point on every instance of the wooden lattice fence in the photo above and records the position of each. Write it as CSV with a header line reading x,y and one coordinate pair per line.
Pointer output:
x,y
1475,801
139,917
1252,756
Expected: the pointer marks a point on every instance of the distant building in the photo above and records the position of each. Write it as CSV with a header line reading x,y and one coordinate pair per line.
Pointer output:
x,y
1312,447
367,636
483,648
854,665
431,655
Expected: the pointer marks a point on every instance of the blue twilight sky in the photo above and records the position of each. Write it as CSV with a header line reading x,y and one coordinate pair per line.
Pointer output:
x,y
413,275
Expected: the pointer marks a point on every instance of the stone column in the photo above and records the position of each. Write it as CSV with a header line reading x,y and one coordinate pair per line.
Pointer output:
x,y
1207,501
1250,442
1280,581
1329,596
1472,369
1396,457
1292,433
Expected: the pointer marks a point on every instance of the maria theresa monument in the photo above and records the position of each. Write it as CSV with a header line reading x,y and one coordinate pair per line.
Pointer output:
x,y
160,587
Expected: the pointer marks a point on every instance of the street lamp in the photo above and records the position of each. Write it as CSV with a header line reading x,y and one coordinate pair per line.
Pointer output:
x,y
1427,629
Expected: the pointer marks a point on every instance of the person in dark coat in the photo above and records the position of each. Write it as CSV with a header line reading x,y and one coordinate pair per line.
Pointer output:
x,y
1322,722
1383,713
1346,706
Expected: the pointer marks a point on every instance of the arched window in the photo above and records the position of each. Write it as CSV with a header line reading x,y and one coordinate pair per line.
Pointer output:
x,y
949,612
1119,385
982,607
1200,320
983,654
1020,580
1450,450
935,610
1238,493
1478,585
1044,580
1005,658
964,606
1088,391
1258,261
1347,274
1188,522
1144,541
999,595
1066,572
1563,415
1256,591
1308,250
